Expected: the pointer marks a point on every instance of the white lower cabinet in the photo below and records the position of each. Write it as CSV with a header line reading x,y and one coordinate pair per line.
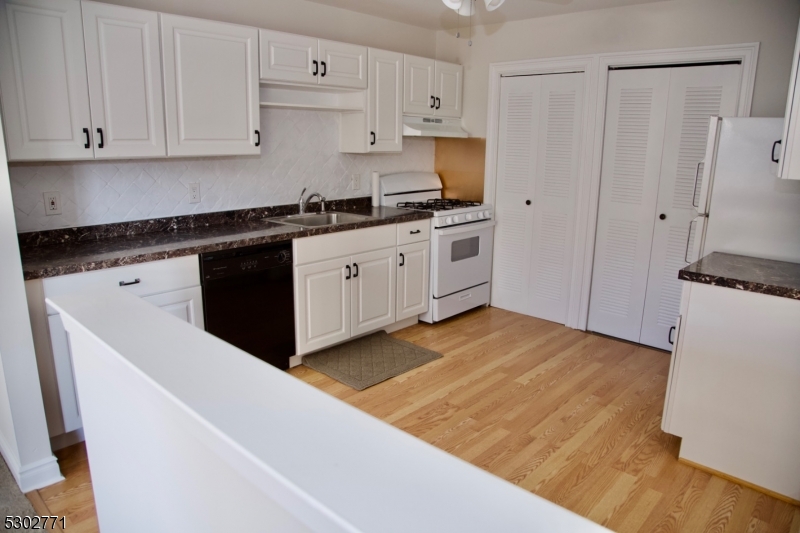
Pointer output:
x,y
372,290
322,304
413,267
372,283
172,284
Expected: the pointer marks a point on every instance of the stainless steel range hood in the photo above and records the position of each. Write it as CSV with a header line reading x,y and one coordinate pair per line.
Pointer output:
x,y
432,127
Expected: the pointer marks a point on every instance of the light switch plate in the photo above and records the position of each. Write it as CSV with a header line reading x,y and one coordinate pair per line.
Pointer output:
x,y
194,193
355,182
52,203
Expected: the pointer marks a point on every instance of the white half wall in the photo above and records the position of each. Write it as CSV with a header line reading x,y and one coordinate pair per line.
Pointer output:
x,y
652,26
24,441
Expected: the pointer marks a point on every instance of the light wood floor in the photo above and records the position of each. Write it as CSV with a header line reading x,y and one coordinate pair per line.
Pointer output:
x,y
570,416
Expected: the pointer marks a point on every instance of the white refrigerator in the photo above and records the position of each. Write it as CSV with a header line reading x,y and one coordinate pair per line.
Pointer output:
x,y
743,207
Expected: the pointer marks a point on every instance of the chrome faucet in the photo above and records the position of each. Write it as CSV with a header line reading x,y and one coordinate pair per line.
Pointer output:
x,y
302,204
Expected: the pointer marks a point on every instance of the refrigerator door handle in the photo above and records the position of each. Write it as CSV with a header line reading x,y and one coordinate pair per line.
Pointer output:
x,y
689,238
696,177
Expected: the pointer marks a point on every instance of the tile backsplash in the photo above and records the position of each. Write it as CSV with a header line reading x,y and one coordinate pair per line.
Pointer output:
x,y
299,149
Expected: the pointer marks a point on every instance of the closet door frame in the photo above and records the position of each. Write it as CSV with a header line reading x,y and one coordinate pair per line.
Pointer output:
x,y
596,68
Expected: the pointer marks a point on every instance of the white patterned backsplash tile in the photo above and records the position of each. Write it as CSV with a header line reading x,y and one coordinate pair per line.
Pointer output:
x,y
300,149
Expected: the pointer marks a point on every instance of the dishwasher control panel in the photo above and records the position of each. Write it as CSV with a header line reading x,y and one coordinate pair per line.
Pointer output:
x,y
217,265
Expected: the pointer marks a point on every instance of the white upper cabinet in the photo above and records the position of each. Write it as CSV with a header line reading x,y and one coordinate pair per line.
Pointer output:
x,y
385,101
285,57
447,89
123,63
211,87
789,156
342,65
296,59
418,85
45,97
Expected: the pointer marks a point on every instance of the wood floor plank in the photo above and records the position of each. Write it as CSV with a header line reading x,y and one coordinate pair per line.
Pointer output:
x,y
571,416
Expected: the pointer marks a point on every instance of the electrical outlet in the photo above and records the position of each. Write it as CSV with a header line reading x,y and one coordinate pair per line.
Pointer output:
x,y
194,193
52,203
355,182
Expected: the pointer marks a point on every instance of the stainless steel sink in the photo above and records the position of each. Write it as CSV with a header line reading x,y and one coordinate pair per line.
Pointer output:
x,y
312,220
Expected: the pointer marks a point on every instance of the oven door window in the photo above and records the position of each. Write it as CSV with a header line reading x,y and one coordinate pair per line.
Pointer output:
x,y
465,249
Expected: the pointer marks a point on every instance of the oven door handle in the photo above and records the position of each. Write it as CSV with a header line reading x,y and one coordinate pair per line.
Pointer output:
x,y
466,228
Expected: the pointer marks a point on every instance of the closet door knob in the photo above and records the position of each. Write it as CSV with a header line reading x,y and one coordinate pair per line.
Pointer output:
x,y
527,202
662,216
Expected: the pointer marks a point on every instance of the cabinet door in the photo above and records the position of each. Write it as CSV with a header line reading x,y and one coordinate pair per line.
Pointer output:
x,y
385,101
342,65
186,304
373,290
123,62
43,80
418,81
413,275
285,57
449,81
210,86
322,304
65,376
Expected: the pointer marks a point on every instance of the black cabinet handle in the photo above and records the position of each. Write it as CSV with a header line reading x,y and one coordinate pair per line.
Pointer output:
x,y
527,202
372,134
402,260
324,69
438,102
415,231
775,159
433,102
355,267
126,283
349,272
669,335
86,132
316,68
258,138
101,143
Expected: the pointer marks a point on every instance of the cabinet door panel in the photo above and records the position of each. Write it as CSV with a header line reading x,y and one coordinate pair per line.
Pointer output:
x,y
65,375
322,304
373,289
449,81
124,67
385,101
418,81
211,87
186,304
345,65
43,80
413,275
287,57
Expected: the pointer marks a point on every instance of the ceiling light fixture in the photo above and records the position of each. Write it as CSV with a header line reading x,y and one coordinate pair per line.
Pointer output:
x,y
466,8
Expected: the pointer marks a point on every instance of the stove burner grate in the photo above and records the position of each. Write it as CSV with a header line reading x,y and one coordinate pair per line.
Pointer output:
x,y
438,204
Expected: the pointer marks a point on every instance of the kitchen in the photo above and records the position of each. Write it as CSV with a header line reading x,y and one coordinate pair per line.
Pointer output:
x,y
325,114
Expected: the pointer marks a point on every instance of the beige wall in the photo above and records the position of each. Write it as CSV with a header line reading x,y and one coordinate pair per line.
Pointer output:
x,y
305,18
669,24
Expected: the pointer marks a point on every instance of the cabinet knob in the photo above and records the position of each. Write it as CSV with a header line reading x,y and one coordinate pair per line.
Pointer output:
x,y
527,202
662,216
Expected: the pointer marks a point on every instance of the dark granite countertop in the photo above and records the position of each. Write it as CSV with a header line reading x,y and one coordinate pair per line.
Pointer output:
x,y
751,274
60,252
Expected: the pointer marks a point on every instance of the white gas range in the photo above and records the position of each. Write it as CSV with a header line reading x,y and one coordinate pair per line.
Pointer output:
x,y
462,235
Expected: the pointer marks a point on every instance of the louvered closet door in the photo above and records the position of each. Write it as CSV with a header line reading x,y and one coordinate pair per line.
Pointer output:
x,y
636,111
695,94
537,163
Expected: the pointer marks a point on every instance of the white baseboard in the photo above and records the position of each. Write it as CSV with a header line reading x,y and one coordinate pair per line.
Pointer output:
x,y
40,474
66,439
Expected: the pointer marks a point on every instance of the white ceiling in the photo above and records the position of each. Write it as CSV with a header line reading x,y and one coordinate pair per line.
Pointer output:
x,y
434,15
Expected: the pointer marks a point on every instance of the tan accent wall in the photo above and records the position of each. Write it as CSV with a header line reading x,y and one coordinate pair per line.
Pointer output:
x,y
460,163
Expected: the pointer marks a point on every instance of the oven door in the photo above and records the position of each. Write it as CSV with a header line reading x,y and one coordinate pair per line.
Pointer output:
x,y
462,257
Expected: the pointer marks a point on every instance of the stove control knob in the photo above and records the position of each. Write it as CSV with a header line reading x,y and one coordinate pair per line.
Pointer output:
x,y
455,219
480,214
468,216
448,220
487,214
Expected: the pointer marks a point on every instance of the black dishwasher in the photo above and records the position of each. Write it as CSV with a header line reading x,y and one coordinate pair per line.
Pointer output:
x,y
248,298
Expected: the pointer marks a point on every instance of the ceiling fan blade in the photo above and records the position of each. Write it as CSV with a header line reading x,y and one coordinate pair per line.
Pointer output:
x,y
453,4
557,2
